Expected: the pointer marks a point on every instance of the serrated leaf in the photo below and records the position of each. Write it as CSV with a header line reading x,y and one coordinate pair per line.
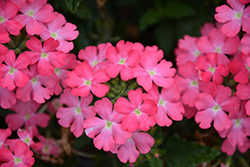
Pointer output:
x,y
150,17
178,9
156,162
181,153
73,4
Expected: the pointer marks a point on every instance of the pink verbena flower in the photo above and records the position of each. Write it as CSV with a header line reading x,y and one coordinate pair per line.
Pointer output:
x,y
49,147
168,104
190,85
83,79
7,98
244,1
60,30
34,14
95,56
245,46
240,68
37,88
217,42
11,74
240,128
187,50
107,130
4,134
7,11
229,149
150,71
243,92
22,156
45,55
122,59
77,111
27,116
140,142
214,108
210,69
19,3
233,18
139,113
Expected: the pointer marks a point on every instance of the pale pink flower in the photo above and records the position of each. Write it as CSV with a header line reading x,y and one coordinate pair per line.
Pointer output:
x,y
76,112
34,14
106,130
233,18
60,30
140,142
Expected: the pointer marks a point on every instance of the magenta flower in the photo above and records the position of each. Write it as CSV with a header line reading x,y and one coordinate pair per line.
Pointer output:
x,y
45,55
11,74
60,30
122,59
7,11
210,69
95,56
82,80
7,98
139,113
150,71
107,130
22,156
217,42
230,149
168,104
140,142
49,147
37,88
214,108
243,92
77,111
4,134
33,14
233,18
187,50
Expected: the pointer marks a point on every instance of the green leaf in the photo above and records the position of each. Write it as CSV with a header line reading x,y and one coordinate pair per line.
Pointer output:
x,y
156,162
178,9
72,4
150,17
181,153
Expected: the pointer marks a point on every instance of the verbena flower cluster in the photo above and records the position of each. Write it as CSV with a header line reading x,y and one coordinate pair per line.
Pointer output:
x,y
116,94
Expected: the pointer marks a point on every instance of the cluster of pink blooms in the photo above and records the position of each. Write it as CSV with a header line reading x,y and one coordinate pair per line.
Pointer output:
x,y
211,84
213,75
31,76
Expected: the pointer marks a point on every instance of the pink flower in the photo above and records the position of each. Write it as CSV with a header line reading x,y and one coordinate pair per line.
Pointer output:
x,y
140,142
45,55
22,156
214,108
34,14
29,117
217,42
77,111
168,104
60,30
37,88
122,59
7,98
244,1
27,138
19,3
233,18
210,69
245,46
107,130
95,56
7,11
11,74
82,80
243,92
187,50
190,85
230,149
150,71
139,113
4,134
49,147
240,67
